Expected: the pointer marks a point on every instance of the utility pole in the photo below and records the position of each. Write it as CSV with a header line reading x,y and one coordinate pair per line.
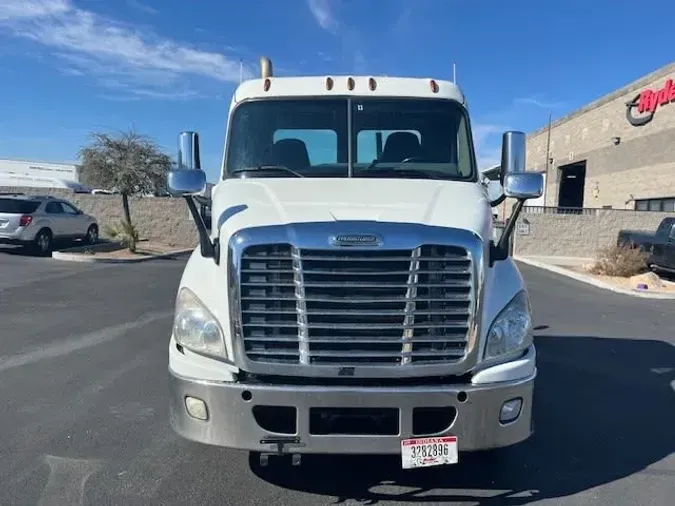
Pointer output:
x,y
454,73
241,70
548,157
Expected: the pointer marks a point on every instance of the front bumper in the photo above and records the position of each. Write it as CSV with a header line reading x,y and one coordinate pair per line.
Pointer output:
x,y
233,420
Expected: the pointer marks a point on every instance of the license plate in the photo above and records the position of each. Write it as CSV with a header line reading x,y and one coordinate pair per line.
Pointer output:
x,y
430,451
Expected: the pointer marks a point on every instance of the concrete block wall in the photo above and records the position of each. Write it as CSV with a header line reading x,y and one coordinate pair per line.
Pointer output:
x,y
167,219
578,235
163,219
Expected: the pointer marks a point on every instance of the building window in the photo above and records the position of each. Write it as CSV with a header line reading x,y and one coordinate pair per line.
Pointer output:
x,y
666,204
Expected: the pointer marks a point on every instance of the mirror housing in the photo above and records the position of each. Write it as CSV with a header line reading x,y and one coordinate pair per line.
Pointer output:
x,y
188,151
188,181
514,147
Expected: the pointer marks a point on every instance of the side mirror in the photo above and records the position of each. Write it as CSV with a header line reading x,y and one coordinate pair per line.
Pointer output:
x,y
517,184
188,178
513,154
188,181
524,185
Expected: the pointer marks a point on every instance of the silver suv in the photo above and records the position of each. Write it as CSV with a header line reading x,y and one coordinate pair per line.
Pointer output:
x,y
40,221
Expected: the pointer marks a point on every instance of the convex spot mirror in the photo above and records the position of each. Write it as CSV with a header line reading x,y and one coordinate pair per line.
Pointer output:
x,y
524,185
186,182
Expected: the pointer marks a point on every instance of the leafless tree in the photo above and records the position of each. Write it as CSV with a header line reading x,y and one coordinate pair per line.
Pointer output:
x,y
128,163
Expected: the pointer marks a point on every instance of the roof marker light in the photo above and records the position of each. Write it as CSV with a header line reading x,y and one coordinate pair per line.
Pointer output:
x,y
329,83
350,83
434,86
372,84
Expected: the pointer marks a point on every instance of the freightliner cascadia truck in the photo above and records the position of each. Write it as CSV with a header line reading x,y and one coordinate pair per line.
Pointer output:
x,y
348,296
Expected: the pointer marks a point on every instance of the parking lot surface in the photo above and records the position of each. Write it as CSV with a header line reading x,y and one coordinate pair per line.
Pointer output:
x,y
83,405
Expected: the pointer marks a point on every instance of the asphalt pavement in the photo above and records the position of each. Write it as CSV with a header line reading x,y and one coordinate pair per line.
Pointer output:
x,y
83,405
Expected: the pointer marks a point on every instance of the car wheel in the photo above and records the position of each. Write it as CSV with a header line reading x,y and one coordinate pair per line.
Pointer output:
x,y
92,235
43,242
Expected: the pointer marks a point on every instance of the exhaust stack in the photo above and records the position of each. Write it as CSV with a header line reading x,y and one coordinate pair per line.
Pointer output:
x,y
265,67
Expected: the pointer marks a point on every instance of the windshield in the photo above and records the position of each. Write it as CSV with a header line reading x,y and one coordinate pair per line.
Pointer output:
x,y
389,138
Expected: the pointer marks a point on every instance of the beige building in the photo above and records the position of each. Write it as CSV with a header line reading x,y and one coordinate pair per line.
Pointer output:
x,y
617,152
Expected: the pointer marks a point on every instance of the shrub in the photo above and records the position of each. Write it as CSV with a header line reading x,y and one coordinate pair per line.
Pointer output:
x,y
126,233
622,260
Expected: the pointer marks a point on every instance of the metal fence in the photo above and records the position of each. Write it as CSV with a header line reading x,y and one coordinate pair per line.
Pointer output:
x,y
586,211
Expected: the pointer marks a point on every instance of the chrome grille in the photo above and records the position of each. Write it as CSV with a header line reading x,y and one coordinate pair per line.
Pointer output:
x,y
355,307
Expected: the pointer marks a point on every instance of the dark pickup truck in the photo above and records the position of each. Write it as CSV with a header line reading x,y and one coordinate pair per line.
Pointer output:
x,y
660,245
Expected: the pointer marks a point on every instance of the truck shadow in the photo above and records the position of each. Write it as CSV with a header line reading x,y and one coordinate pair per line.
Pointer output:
x,y
604,410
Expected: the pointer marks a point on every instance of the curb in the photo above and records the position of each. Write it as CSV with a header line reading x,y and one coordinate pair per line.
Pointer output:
x,y
78,257
590,281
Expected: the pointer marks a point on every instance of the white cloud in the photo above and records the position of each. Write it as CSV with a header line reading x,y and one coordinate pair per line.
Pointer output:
x,y
325,56
487,143
25,9
104,47
135,4
323,14
360,63
539,102
487,132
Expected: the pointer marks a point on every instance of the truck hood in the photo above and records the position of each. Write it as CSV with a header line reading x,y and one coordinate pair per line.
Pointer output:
x,y
244,203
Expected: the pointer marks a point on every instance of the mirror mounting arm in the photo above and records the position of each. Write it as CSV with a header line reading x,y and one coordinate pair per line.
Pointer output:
x,y
208,248
501,250
498,200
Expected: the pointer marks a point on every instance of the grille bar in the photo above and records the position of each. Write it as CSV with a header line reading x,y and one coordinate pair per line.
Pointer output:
x,y
355,300
359,312
364,272
352,339
355,307
349,284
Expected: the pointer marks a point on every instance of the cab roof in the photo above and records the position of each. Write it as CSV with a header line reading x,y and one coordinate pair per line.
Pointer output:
x,y
326,86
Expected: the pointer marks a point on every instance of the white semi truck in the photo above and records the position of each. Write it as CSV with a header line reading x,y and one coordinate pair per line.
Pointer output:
x,y
348,297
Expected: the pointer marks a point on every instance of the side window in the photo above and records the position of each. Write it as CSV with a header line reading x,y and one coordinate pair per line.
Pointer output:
x,y
463,148
668,205
370,143
321,145
672,232
53,208
68,209
664,228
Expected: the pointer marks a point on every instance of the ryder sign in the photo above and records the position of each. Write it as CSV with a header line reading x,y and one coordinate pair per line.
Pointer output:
x,y
641,109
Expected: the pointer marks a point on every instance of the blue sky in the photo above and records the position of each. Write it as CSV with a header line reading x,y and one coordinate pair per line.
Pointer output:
x,y
68,67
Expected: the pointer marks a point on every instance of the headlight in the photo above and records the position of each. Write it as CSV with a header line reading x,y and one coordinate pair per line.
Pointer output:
x,y
511,331
195,327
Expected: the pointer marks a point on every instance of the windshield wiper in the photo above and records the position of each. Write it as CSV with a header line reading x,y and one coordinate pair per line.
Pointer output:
x,y
267,168
404,173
